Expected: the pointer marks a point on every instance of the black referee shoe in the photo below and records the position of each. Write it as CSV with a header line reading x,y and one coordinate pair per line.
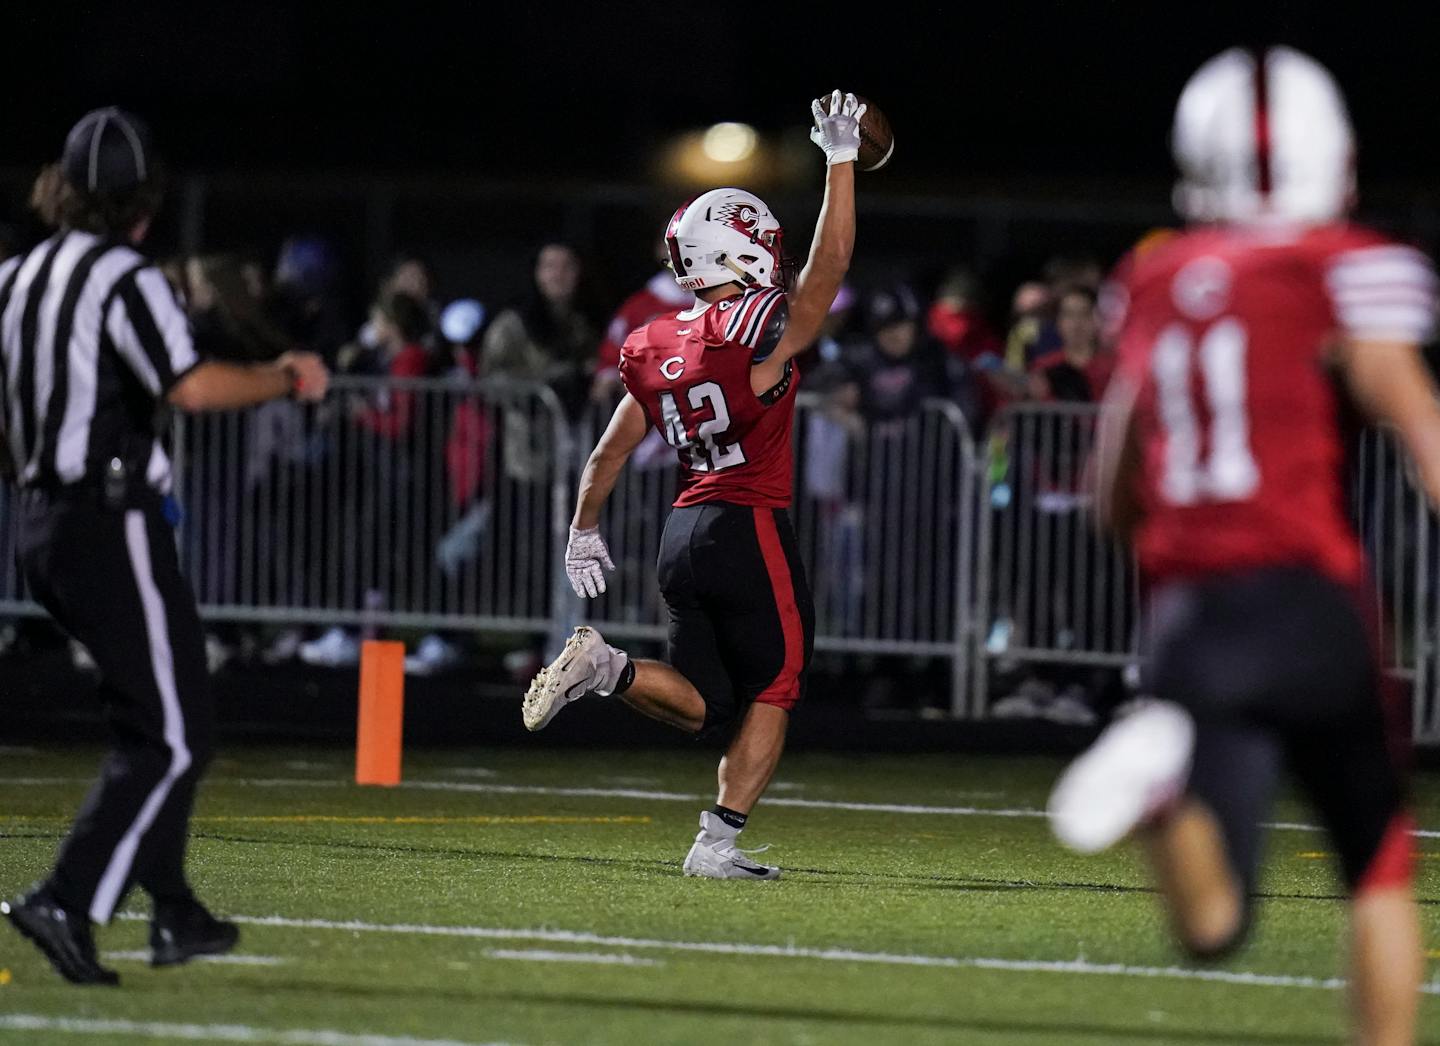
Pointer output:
x,y
181,931
64,937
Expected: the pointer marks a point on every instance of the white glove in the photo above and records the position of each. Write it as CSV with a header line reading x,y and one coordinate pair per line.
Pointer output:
x,y
837,133
585,554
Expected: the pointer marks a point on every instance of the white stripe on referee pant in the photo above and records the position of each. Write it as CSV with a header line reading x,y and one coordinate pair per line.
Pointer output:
x,y
157,630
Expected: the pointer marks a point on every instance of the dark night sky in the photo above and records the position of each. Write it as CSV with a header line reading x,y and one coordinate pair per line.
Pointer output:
x,y
978,93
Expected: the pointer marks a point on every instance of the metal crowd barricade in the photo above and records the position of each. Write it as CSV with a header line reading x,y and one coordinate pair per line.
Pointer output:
x,y
406,503
1052,591
1398,529
436,504
884,517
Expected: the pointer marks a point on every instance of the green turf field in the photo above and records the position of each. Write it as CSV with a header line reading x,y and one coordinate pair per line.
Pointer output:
x,y
476,905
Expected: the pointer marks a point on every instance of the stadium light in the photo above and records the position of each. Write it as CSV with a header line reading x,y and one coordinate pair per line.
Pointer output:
x,y
729,142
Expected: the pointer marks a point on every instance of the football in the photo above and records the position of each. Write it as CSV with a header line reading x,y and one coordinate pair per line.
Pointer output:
x,y
877,141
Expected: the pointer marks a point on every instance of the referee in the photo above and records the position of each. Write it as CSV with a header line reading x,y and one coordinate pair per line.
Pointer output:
x,y
94,351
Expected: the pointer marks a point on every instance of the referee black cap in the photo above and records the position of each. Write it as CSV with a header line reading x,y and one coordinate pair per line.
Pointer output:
x,y
109,150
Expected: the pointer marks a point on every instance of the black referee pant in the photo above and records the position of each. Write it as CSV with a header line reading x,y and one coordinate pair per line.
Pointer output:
x,y
111,577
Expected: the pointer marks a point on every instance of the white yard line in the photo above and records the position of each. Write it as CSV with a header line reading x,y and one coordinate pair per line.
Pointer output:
x,y
790,951
108,1029
227,960
597,958
658,796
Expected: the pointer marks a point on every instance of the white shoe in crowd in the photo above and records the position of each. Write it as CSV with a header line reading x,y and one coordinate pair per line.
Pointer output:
x,y
1070,708
1029,700
715,855
586,664
217,653
284,647
80,657
434,654
337,648
1136,768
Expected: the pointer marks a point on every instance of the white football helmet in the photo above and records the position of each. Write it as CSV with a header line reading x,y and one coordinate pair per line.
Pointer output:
x,y
1263,137
725,236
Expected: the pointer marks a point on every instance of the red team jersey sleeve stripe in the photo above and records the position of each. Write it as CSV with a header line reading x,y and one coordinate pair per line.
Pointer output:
x,y
784,690
761,315
1384,293
748,318
737,318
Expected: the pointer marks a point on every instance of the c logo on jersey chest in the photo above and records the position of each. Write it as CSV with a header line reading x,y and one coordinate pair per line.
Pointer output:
x,y
1201,290
678,365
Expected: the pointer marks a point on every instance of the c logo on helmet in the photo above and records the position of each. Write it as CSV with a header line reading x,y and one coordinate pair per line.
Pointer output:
x,y
679,365
742,217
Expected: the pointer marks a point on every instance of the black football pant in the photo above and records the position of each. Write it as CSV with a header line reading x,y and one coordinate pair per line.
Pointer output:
x,y
111,577
1280,669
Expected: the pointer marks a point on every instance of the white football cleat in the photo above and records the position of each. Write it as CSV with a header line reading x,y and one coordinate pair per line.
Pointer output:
x,y
1136,768
586,664
715,855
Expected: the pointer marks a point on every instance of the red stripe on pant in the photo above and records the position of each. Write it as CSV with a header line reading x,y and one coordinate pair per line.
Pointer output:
x,y
784,690
1394,861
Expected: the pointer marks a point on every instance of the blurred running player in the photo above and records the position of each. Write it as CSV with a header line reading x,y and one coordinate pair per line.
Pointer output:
x,y
719,382
1222,453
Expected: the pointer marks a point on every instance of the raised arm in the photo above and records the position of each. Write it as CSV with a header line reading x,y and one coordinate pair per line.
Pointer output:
x,y
586,554
838,135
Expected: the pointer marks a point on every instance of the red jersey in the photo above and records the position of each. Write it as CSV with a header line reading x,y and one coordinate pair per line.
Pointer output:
x,y
1225,333
691,374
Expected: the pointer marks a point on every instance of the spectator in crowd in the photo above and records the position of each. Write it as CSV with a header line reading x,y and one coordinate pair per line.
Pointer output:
x,y
408,274
227,317
1077,372
305,303
958,323
550,335
896,368
894,371
660,295
827,446
306,299
401,326
228,322
1032,331
467,443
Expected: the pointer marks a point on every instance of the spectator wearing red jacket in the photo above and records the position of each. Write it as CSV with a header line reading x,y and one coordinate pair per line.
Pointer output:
x,y
660,295
401,324
956,321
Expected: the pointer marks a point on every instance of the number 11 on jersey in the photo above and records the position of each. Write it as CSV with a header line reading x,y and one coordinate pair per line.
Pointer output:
x,y
706,452
1230,472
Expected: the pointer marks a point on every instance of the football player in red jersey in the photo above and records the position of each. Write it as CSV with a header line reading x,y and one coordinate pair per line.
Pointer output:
x,y
719,382
1221,458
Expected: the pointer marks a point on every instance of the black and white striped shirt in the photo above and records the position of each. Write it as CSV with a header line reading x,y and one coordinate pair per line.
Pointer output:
x,y
91,341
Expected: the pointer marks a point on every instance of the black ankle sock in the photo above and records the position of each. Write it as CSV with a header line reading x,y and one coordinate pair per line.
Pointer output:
x,y
627,676
734,818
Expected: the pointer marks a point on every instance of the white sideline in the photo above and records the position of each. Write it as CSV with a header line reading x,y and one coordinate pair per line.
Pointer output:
x,y
224,960
682,797
790,951
597,958
30,1022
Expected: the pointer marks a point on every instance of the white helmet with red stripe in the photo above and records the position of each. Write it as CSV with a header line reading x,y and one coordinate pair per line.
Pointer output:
x,y
1261,137
725,236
